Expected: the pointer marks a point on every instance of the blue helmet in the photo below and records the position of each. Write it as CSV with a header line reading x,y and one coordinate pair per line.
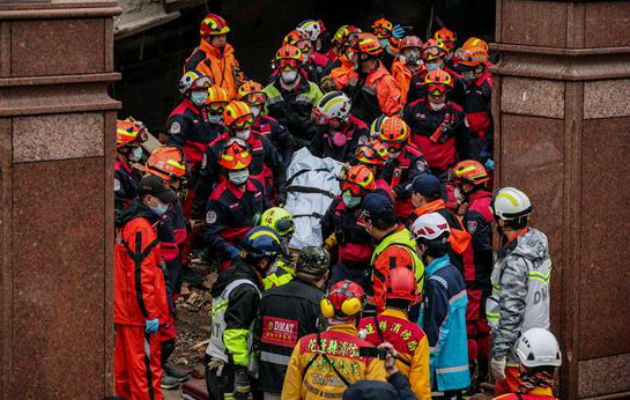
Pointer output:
x,y
263,241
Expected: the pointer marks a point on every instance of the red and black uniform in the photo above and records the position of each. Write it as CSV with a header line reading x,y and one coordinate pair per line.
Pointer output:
x,y
417,90
442,136
125,186
478,219
266,166
230,214
399,173
277,134
139,295
477,106
355,132
354,243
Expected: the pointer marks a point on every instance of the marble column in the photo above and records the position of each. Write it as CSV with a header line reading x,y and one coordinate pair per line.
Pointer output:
x,y
562,118
56,177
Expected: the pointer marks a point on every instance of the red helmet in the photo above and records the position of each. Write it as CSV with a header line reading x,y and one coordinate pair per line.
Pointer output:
x,y
359,181
382,28
344,299
167,162
129,131
237,115
470,171
410,41
433,50
288,56
447,37
214,25
438,82
235,155
402,282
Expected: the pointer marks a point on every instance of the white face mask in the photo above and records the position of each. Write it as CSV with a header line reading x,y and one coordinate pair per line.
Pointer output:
x,y
255,111
244,134
289,76
350,201
458,195
437,107
238,177
199,97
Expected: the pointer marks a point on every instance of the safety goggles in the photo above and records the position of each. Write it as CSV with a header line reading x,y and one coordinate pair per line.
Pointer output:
x,y
382,33
433,51
352,189
436,89
243,122
255,99
216,108
288,63
393,147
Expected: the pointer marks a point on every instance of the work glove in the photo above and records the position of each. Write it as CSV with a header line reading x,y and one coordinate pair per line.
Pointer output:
x,y
151,326
497,368
242,386
489,164
398,32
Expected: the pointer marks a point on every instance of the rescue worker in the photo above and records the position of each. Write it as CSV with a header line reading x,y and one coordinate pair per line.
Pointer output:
x,y
520,284
405,162
324,364
539,355
427,198
343,232
340,131
443,314
393,326
408,64
438,126
313,30
389,38
290,98
339,42
235,304
214,57
373,91
448,39
474,66
130,135
309,70
288,313
266,165
140,303
470,180
281,221
343,64
236,203
373,155
380,222
253,93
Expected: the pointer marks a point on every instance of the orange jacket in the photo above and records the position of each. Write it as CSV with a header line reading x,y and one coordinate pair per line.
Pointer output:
x,y
460,239
312,378
221,66
342,75
387,90
139,288
403,75
410,342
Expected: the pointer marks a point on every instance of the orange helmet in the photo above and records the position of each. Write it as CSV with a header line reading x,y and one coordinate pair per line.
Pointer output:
x,y
447,37
438,82
394,130
168,162
289,56
217,99
252,93
472,57
129,131
402,282
214,25
235,155
475,42
372,153
432,50
343,32
368,44
359,181
409,42
237,115
294,37
382,28
470,171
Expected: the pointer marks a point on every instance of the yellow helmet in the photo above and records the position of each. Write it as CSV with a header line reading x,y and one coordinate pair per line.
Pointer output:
x,y
279,220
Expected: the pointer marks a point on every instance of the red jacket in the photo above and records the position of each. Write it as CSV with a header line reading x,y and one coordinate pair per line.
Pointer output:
x,y
477,106
538,393
139,288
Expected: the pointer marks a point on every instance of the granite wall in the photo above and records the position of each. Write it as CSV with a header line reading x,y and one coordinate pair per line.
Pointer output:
x,y
56,227
562,120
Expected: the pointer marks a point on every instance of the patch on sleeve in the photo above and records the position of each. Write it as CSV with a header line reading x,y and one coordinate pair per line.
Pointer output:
x,y
472,226
211,217
175,128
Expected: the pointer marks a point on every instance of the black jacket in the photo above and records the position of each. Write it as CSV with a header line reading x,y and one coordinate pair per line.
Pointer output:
x,y
287,313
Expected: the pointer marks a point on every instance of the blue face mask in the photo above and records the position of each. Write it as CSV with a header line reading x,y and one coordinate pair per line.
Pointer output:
x,y
159,210
238,177
350,201
136,154
384,43
432,66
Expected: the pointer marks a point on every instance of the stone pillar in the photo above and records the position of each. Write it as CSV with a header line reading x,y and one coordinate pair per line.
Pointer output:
x,y
562,119
56,221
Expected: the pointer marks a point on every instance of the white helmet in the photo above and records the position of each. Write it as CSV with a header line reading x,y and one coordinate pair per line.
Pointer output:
x,y
510,203
430,227
311,28
538,348
334,105
193,80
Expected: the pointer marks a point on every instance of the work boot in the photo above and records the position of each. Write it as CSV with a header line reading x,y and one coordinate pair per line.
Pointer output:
x,y
168,382
179,373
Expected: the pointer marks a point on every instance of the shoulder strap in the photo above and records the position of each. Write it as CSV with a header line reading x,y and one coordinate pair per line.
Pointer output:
x,y
322,352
